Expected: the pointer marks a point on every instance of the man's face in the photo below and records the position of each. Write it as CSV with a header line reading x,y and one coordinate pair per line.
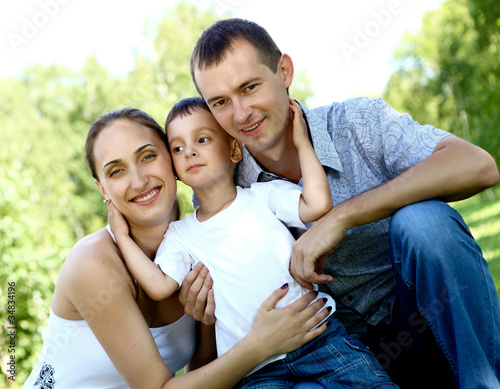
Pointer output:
x,y
247,98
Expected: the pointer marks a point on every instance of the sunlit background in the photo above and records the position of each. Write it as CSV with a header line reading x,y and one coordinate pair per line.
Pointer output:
x,y
65,62
344,47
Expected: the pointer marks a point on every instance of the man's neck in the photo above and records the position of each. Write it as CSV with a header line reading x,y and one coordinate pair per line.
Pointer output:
x,y
282,160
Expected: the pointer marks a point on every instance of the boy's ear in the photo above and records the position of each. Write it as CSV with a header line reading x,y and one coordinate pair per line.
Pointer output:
x,y
236,151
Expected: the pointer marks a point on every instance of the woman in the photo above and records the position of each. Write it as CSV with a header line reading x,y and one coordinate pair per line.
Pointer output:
x,y
104,331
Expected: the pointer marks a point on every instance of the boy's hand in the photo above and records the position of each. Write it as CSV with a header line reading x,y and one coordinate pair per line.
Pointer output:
x,y
117,222
300,136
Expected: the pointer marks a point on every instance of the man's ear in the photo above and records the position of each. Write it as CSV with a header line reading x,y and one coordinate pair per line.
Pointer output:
x,y
236,151
102,190
285,67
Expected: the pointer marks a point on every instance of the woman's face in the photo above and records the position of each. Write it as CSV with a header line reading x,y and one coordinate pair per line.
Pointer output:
x,y
135,172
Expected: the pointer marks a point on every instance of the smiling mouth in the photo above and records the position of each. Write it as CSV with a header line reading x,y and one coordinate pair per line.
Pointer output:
x,y
248,129
147,197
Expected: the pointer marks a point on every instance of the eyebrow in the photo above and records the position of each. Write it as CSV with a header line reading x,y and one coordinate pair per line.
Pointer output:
x,y
197,130
135,153
241,86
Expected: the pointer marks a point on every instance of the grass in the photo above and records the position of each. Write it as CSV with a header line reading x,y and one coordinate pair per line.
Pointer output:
x,y
482,215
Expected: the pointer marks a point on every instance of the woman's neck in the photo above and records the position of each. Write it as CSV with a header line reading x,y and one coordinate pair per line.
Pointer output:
x,y
149,236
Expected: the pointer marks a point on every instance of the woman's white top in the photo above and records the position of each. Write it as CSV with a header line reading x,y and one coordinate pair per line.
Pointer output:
x,y
73,358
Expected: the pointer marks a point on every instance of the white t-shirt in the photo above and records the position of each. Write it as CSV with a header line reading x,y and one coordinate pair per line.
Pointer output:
x,y
246,248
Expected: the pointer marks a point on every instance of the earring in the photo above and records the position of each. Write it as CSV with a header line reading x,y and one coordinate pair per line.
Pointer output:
x,y
107,201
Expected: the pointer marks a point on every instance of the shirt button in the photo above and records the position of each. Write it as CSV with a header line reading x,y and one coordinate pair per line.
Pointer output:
x,y
350,297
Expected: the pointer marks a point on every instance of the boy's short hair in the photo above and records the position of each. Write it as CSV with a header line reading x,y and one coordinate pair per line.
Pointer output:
x,y
217,40
185,107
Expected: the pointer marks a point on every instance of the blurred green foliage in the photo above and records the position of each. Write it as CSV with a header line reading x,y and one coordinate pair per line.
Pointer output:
x,y
48,199
448,72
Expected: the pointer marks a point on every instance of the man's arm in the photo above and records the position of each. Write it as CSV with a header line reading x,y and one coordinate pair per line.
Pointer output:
x,y
316,198
454,171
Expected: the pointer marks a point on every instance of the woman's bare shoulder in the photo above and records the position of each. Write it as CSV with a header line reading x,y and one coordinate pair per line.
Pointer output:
x,y
96,249
93,265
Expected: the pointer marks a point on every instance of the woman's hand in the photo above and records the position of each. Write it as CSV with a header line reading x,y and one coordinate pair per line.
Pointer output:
x,y
117,221
276,331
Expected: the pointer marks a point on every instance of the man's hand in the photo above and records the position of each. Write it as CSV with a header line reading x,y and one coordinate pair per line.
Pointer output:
x,y
311,250
197,296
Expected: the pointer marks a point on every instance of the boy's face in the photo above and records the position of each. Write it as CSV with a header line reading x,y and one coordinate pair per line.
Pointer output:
x,y
247,98
202,152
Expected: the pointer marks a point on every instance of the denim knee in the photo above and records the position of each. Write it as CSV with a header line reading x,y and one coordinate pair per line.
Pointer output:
x,y
430,236
432,225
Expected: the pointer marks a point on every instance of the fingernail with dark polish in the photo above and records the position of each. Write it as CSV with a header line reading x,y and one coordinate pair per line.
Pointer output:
x,y
285,286
329,309
325,300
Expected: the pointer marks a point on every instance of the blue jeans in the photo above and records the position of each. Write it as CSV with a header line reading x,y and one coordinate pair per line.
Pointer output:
x,y
307,385
333,360
446,318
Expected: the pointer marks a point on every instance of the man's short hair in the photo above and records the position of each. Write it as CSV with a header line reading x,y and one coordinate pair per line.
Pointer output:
x,y
214,43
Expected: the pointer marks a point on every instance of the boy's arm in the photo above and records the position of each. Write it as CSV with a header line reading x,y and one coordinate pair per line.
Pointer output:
x,y
155,283
316,199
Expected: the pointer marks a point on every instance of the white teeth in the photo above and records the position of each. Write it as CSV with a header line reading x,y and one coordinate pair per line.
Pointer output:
x,y
145,198
251,128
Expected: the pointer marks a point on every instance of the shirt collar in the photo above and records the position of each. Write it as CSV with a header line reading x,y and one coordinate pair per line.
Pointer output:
x,y
249,170
322,138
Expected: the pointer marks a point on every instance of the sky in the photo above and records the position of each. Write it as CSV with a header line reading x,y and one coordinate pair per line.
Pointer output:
x,y
343,46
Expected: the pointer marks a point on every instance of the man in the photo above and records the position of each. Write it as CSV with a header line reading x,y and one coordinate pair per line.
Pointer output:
x,y
405,271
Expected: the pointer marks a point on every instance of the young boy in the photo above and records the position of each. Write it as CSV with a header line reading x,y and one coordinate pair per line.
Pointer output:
x,y
240,235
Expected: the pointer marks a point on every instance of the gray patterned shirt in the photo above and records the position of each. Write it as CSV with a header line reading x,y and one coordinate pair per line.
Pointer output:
x,y
361,143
